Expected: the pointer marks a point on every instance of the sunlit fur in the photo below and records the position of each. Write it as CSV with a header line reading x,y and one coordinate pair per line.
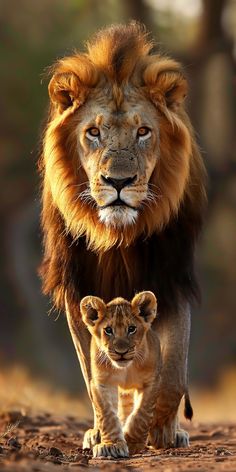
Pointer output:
x,y
119,315
130,361
117,72
118,217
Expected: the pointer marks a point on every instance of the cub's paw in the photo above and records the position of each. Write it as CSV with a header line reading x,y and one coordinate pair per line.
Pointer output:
x,y
118,449
181,438
91,438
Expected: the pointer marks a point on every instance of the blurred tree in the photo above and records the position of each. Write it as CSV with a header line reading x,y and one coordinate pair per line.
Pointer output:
x,y
139,10
32,36
213,108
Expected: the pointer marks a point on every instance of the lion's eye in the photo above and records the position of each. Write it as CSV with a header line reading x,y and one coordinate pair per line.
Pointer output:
x,y
92,133
108,330
144,131
132,329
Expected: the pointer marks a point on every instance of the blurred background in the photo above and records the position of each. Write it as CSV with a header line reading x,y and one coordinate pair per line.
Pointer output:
x,y
37,359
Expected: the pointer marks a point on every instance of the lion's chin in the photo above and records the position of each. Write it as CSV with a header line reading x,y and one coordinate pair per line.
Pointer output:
x,y
118,216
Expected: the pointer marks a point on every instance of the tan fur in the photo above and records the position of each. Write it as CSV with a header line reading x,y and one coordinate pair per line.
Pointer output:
x,y
148,90
128,362
118,85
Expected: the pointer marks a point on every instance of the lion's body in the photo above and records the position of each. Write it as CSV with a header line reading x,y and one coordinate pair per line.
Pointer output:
x,y
118,133
129,359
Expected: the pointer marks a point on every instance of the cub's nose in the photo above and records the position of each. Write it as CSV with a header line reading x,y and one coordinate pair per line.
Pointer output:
x,y
121,353
118,184
121,346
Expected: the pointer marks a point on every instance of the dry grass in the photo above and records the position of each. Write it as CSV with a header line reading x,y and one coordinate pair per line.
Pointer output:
x,y
9,430
217,404
19,391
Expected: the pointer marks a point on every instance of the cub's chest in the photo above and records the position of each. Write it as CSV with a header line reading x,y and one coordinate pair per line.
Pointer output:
x,y
129,378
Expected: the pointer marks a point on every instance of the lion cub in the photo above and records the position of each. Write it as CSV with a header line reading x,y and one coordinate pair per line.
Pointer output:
x,y
125,358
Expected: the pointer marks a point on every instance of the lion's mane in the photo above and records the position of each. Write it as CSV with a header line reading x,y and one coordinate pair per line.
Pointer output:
x,y
82,255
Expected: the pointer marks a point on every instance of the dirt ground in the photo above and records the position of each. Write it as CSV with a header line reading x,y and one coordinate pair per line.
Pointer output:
x,y
43,442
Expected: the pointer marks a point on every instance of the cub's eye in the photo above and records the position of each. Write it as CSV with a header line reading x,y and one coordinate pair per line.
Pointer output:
x,y
108,330
144,131
92,133
132,329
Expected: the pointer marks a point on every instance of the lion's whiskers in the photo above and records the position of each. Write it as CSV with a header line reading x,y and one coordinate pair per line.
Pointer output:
x,y
86,197
75,185
151,198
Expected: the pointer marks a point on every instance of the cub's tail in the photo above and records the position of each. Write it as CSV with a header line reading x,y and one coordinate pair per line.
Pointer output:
x,y
188,411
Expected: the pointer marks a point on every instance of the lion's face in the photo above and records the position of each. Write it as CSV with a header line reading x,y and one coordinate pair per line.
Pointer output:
x,y
118,150
118,146
120,327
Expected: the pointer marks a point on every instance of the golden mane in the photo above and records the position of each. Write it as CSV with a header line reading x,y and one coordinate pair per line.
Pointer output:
x,y
115,57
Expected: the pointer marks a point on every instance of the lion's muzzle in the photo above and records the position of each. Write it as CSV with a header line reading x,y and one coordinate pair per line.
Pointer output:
x,y
119,188
118,184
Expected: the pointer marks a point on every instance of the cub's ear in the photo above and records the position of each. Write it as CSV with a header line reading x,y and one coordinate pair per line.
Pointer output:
x,y
92,310
144,305
166,83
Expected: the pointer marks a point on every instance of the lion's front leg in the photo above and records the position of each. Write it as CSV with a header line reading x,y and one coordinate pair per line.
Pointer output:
x,y
174,331
81,339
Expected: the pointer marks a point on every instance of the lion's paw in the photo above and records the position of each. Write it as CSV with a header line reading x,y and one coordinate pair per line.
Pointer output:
x,y
91,438
136,448
161,437
167,437
118,449
181,438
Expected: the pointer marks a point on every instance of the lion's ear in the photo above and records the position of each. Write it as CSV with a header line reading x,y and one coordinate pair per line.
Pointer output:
x,y
64,89
144,305
166,83
173,87
72,79
92,310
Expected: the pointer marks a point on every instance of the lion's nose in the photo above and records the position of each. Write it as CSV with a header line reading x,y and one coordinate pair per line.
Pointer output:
x,y
118,184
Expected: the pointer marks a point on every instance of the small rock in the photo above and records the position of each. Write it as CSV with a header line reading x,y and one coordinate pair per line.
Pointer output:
x,y
14,443
220,451
54,451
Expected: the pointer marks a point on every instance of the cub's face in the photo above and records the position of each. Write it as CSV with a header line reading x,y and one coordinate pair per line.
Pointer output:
x,y
120,326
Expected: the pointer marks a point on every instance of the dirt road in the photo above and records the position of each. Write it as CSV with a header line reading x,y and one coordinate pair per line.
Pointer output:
x,y
49,443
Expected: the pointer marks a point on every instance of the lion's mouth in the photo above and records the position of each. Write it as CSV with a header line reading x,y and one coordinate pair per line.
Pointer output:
x,y
117,203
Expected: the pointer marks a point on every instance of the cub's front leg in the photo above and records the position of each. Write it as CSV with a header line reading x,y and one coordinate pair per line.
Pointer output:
x,y
112,442
138,423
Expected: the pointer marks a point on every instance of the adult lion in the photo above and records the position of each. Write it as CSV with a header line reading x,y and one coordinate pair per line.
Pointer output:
x,y
123,196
